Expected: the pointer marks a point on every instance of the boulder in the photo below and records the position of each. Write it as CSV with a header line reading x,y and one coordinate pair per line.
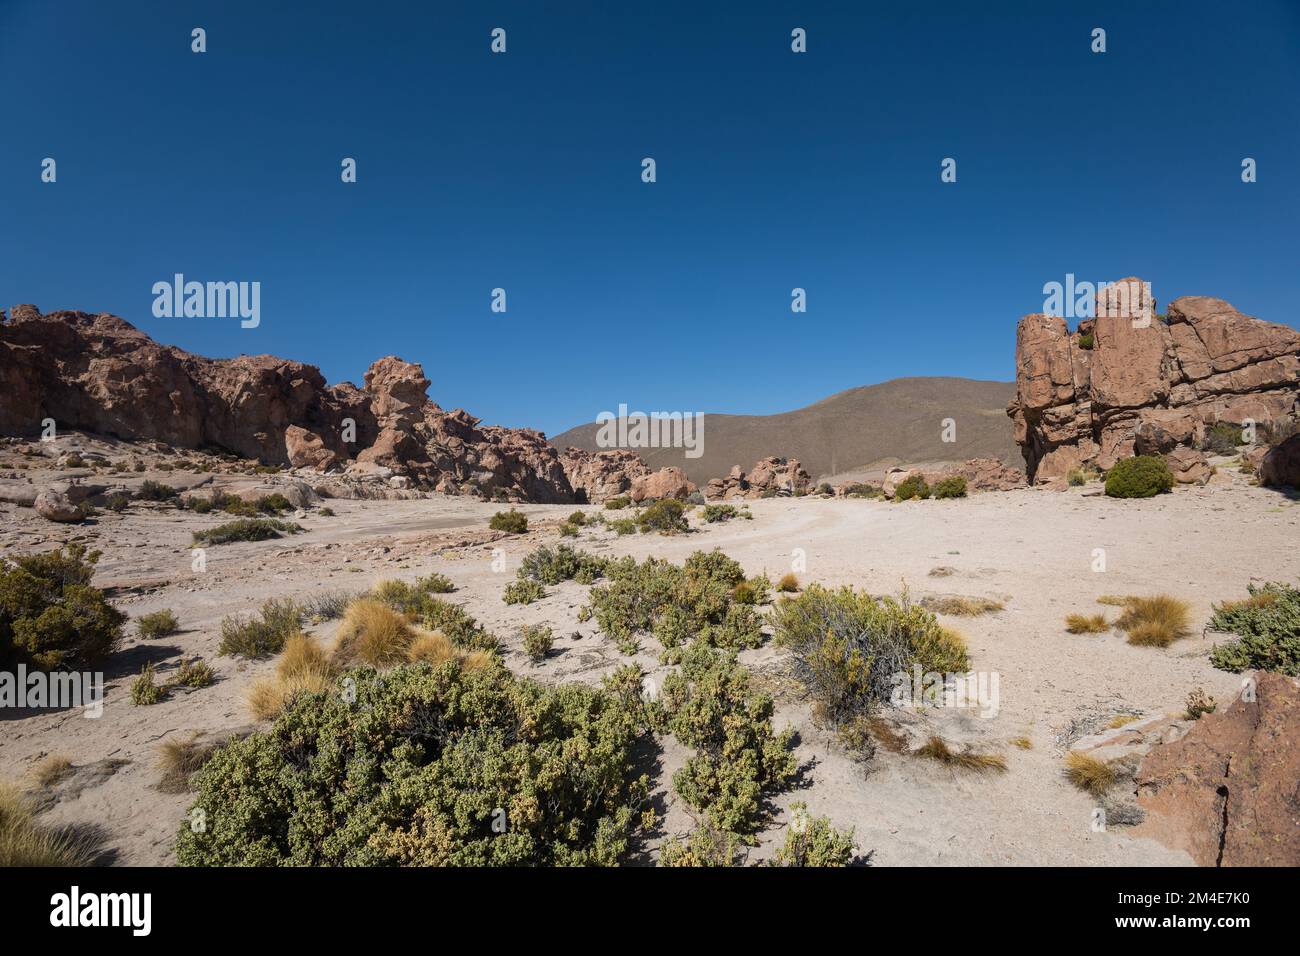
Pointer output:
x,y
1188,466
306,449
670,482
56,506
1226,792
1280,465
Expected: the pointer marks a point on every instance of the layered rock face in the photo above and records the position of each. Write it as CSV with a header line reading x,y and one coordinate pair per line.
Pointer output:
x,y
1146,386
779,475
99,373
1227,791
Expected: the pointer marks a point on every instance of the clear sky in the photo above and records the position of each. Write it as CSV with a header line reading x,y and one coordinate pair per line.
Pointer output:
x,y
523,171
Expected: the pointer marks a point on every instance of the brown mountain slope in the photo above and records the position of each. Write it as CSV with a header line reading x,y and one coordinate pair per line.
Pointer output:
x,y
901,418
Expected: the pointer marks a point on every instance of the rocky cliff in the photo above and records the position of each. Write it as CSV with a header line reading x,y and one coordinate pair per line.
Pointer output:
x,y
1131,381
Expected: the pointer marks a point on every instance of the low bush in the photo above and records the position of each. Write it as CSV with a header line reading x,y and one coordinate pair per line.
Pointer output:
x,y
953,486
562,563
959,605
618,503
117,502
456,623
151,490
623,526
1222,438
194,674
537,641
848,648
263,635
525,591
511,522
716,513
144,690
704,846
444,766
50,616
740,761
1077,477
1199,703
813,841
158,624
788,584
179,758
411,598
665,516
1143,476
246,529
913,486
577,519
1087,341
863,490
1267,625
303,668
52,771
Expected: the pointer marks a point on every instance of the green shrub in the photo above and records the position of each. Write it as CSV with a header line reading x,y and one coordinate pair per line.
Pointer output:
x,y
263,635
411,598
848,648
568,530
117,502
158,624
623,526
862,490
444,766
151,490
618,503
50,616
953,486
273,503
913,486
1143,476
665,516
511,522
143,689
1222,438
705,846
577,519
246,529
715,513
1268,628
561,563
1087,341
825,490
1077,477
813,841
739,761
456,623
196,673
538,641
525,591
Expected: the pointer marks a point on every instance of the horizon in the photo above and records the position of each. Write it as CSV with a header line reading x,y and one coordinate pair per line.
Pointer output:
x,y
775,171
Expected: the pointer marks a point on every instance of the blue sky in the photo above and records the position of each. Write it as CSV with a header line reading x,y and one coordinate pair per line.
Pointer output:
x,y
522,171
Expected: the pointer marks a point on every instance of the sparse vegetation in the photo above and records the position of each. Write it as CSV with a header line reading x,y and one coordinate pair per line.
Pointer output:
x,y
372,633
548,565
156,625
1200,703
433,758
151,490
1222,438
1086,624
303,668
959,605
524,591
936,748
618,503
704,846
665,516
511,522
863,490
24,842
263,635
50,616
813,841
1155,621
144,690
913,486
1143,476
1077,477
53,770
179,758
1090,774
246,529
715,513
1022,743
537,641
194,674
1086,341
953,486
1267,625
623,526
459,627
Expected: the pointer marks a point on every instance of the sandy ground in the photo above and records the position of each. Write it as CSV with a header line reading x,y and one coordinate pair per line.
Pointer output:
x,y
1032,549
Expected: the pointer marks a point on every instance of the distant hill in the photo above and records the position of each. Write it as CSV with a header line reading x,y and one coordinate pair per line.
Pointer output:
x,y
901,419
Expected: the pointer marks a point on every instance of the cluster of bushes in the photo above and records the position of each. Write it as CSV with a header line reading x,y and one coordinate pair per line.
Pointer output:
x,y
146,690
151,490
1267,625
913,486
678,604
740,762
618,503
445,766
562,563
50,616
573,524
246,529
1077,477
1222,438
511,522
272,504
1143,476
863,490
847,646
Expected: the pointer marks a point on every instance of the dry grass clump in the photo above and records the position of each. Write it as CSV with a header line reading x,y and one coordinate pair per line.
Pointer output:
x,y
960,605
788,584
1113,600
1024,743
436,648
373,633
1155,621
1122,720
1086,624
51,770
24,842
936,748
1089,773
1258,601
180,757
303,667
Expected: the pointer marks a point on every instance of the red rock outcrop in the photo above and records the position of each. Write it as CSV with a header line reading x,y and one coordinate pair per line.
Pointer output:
x,y
601,475
98,373
981,474
1229,791
669,482
1280,465
775,475
1145,381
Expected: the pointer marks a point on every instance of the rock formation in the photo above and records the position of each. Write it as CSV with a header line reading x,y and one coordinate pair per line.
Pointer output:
x,y
783,476
98,373
670,482
1130,381
601,475
1226,792
1281,465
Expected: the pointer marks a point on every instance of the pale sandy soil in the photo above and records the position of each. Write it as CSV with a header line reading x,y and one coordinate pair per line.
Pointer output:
x,y
1032,549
